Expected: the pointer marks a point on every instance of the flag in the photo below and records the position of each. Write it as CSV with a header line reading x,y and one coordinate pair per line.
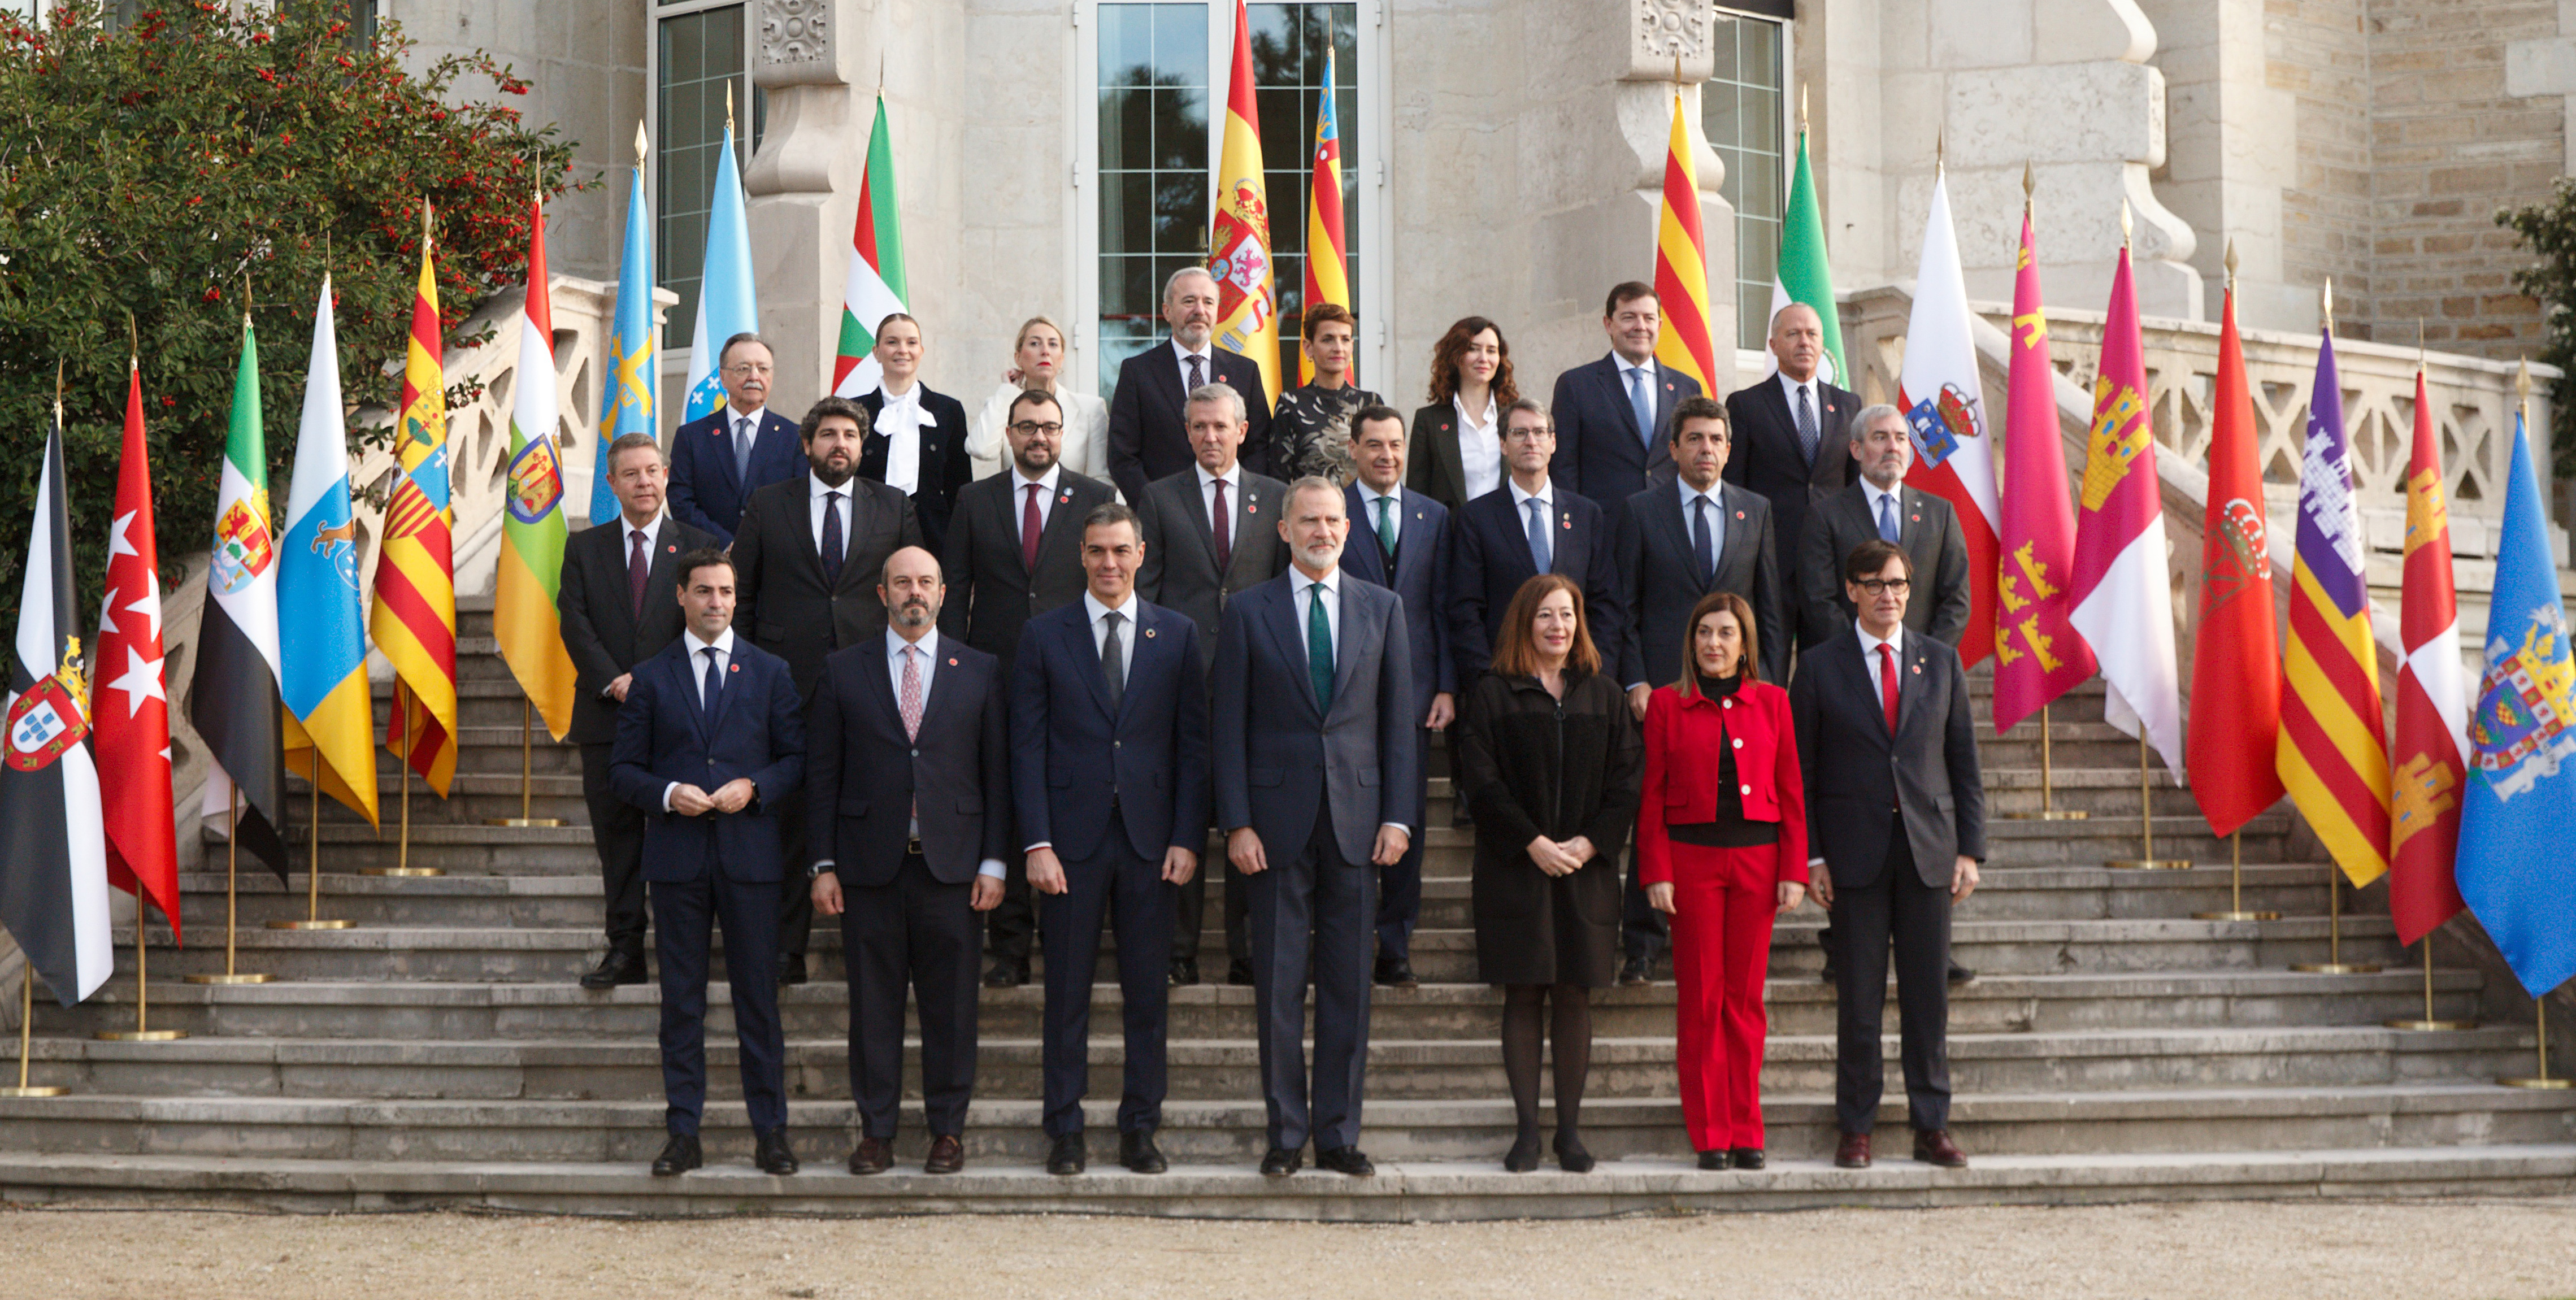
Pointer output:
x,y
2122,595
53,849
130,706
1247,308
532,530
232,700
726,305
321,634
2514,867
876,287
1944,401
626,400
2038,653
2235,678
1327,277
1687,344
414,616
2429,761
1803,275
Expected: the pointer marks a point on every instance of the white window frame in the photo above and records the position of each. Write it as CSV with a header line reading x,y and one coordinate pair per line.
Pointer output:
x,y
1755,360
672,363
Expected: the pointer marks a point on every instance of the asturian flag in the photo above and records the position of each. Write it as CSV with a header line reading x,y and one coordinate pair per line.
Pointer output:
x,y
2038,653
1945,407
532,524
321,634
2429,761
626,400
130,711
876,286
726,305
232,700
1247,303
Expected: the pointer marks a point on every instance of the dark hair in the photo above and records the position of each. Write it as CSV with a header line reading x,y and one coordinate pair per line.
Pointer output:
x,y
893,316
1625,292
1326,313
1452,349
1030,397
1375,411
1698,406
701,558
1717,602
1516,649
1503,421
1868,558
747,336
830,406
631,441
1112,512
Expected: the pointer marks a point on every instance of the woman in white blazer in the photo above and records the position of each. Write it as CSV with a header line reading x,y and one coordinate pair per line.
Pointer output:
x,y
1038,362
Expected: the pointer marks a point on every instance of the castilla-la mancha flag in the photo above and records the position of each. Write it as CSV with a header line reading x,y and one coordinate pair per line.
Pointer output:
x,y
2430,760
2038,653
1945,406
1247,301
2235,680
130,703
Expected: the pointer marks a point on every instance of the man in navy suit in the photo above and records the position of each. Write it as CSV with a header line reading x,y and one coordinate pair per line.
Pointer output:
x,y
720,457
709,740
1400,541
1612,415
1790,431
1109,774
1149,435
1528,526
1312,737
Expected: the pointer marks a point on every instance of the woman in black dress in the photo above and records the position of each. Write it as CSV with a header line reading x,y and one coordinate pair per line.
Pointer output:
x,y
1550,764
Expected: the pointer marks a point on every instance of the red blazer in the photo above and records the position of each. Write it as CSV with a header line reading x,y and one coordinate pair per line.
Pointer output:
x,y
1683,737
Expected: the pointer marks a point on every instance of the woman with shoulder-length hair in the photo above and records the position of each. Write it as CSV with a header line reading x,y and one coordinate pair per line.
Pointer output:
x,y
1722,849
1038,361
916,438
1456,452
1549,763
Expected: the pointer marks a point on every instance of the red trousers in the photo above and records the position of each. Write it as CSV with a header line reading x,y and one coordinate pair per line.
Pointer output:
x,y
1724,901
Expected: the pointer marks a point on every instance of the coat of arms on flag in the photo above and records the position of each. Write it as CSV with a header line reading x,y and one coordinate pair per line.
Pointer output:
x,y
536,481
243,550
46,719
2525,724
1944,420
2120,434
2248,557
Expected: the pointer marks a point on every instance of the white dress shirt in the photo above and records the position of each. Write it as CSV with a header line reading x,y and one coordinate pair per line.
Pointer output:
x,y
1301,591
1869,655
817,502
1207,363
1480,447
1873,493
733,425
928,648
1020,484
1716,517
626,530
1627,386
1233,478
900,420
1546,497
723,646
1099,615
1393,533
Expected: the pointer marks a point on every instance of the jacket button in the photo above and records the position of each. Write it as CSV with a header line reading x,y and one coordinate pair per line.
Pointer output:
x,y
1744,789
1117,744
916,753
1729,704
1739,742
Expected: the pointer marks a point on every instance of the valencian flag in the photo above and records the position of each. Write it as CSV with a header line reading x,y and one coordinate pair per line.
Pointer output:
x,y
2514,868
321,634
2332,756
130,708
232,700
626,400
876,287
532,529
2429,761
2122,595
1803,275
2236,685
1944,402
53,852
726,305
1247,308
2038,653
1327,276
414,617
1681,264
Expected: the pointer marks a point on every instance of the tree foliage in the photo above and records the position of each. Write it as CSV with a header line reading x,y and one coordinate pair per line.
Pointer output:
x,y
2549,229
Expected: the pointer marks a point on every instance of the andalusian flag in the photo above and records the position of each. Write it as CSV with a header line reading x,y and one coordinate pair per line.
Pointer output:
x,y
322,641
876,288
626,399
414,619
1247,308
1327,278
532,533
1681,265
1803,275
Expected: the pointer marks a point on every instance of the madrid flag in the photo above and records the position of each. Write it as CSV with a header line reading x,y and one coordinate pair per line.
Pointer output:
x,y
1945,406
130,706
1247,305
2236,685
2038,653
2430,759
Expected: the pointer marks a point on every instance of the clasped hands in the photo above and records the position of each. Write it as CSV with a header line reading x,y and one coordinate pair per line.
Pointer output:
x,y
1561,857
731,797
1791,893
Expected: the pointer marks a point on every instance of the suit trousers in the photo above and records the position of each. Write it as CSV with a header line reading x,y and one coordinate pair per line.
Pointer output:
x,y
1896,907
1129,892
912,934
1723,904
1011,930
1644,933
1190,909
1399,887
749,914
617,829
1312,914
795,893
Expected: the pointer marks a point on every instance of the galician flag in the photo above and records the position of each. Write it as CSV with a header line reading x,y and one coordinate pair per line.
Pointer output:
x,y
1247,306
876,288
1687,343
414,618
233,700
130,704
626,400
2236,683
1803,275
1327,274
726,305
321,636
2430,760
1945,407
532,529
2038,653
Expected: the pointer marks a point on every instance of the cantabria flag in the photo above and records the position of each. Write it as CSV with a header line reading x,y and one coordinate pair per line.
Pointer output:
x,y
876,289
532,530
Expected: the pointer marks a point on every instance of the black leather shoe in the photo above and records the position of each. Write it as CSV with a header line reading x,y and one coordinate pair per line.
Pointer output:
x,y
791,968
617,966
1066,1158
947,1156
1396,973
1282,1162
1960,974
1747,1157
679,1155
1635,970
1523,1157
1185,972
871,1156
1571,1155
1137,1151
1239,972
1345,1160
1716,1160
1006,974
1829,974
771,1152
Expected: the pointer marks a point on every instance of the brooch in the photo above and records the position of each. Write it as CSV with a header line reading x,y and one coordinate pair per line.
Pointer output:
x,y
1149,634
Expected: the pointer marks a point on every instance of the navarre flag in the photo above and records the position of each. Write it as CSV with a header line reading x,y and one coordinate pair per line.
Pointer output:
x,y
626,400
2332,755
2123,598
1687,344
1803,275
2236,681
2430,759
876,287
1944,402
726,305
532,523
1247,305
1327,277
414,616
2514,867
321,634
2038,653
232,700
130,704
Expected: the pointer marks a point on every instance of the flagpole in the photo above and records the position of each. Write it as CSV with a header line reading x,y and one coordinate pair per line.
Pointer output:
x,y
26,1030
2048,809
2430,1023
142,1032
2236,887
2543,1081
527,772
2146,859
313,861
402,851
2334,964
232,902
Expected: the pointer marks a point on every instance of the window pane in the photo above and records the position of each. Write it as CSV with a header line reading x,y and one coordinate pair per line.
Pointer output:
x,y
700,55
1741,109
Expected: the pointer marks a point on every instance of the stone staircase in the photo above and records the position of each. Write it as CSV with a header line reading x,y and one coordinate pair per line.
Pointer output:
x,y
2113,1048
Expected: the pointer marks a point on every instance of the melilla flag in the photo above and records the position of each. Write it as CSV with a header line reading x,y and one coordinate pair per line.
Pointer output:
x,y
2429,761
876,286
414,616
2332,756
2236,685
233,700
626,400
2514,868
726,305
53,852
532,530
1687,344
321,634
1803,275
1247,308
2038,653
130,709
1327,277
1944,402
2123,596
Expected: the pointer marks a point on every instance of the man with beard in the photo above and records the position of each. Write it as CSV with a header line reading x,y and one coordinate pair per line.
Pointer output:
x,y
1149,436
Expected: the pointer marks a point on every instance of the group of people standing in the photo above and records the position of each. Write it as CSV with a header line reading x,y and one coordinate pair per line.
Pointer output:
x,y
932,678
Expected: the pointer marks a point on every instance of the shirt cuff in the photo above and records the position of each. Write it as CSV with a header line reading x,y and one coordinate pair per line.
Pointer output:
x,y
1815,862
1637,685
1399,826
1041,844
666,795
990,867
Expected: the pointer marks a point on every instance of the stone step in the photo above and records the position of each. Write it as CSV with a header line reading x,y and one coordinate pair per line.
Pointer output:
x,y
471,798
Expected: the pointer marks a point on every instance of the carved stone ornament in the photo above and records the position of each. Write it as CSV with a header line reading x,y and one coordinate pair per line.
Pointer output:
x,y
1659,30
798,42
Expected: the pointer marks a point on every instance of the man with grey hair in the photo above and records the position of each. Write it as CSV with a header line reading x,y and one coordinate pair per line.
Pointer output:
x,y
1148,423
720,457
1790,428
1878,506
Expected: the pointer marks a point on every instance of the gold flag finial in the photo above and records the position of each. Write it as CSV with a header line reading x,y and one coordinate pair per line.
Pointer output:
x,y
641,143
425,219
134,343
2419,345
2325,305
1940,150
1802,108
2028,184
58,391
2522,383
2230,259
728,108
2124,222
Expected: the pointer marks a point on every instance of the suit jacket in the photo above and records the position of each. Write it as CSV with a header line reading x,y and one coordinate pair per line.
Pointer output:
x,y
1434,464
1074,756
990,590
706,494
601,631
1280,759
1767,457
867,782
1421,580
1659,580
1489,559
1856,772
945,464
1180,573
663,735
1928,530
781,595
1149,434
1600,451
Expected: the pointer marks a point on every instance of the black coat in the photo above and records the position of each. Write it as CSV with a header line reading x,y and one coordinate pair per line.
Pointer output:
x,y
991,592
1928,530
1660,580
1600,451
600,630
1532,765
1179,571
945,466
778,577
1768,459
1855,771
1489,560
1149,435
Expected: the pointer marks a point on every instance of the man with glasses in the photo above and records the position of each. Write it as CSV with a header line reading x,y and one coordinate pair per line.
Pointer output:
x,y
719,458
1880,507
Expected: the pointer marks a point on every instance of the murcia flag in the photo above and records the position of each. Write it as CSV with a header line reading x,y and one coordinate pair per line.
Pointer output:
x,y
130,711
233,698
2038,653
1945,407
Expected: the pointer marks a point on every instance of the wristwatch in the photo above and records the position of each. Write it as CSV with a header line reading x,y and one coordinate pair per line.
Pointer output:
x,y
815,872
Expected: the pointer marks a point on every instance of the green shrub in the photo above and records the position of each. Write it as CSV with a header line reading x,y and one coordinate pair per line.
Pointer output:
x,y
2549,229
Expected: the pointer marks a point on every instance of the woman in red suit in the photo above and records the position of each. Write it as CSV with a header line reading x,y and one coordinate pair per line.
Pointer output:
x,y
1722,849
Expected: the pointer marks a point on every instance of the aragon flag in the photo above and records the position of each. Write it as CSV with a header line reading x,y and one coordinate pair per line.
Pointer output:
x,y
130,710
233,699
2235,678
414,616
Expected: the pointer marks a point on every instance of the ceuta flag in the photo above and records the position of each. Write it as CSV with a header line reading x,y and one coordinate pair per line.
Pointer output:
x,y
2236,686
1944,402
2430,759
2038,653
130,709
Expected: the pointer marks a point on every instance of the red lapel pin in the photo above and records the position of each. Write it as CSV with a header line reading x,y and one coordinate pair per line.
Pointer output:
x,y
1918,519
1738,514
734,668
952,662
671,550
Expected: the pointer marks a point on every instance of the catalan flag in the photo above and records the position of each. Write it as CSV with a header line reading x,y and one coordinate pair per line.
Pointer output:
x,y
414,618
1247,306
322,642
532,527
1681,264
1327,275
2430,759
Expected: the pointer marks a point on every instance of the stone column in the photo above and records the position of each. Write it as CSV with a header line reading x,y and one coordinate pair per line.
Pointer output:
x,y
2231,144
813,148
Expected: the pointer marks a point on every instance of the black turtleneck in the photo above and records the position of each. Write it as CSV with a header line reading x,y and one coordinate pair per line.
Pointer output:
x,y
1729,829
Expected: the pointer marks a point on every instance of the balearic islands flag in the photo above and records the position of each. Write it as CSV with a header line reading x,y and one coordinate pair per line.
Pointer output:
x,y
1247,306
1327,277
232,700
321,635
414,617
1687,344
626,400
532,529
1803,275
726,305
2236,683
130,706
876,287
2038,653
2430,757
1945,407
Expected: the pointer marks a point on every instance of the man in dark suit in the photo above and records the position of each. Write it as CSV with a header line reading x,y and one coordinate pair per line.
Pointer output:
x,y
1881,507
1896,815
1109,773
719,459
1499,542
1208,536
809,553
618,604
1612,415
710,739
1790,429
1400,540
1312,736
1149,436
909,816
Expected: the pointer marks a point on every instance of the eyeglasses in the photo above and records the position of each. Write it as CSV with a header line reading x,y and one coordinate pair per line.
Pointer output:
x,y
1025,428
747,368
1876,585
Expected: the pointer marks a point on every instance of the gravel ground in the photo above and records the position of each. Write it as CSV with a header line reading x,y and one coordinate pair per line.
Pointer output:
x,y
2475,1250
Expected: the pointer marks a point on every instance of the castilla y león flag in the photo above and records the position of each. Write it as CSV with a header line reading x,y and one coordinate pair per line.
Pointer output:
x,y
2236,685
1944,401
233,699
2430,759
2038,653
130,706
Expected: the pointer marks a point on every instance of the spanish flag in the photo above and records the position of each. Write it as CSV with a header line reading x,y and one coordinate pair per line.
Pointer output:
x,y
1247,308
414,616
1681,264
1327,276
532,530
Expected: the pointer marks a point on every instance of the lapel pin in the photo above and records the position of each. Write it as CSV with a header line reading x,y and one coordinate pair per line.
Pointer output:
x,y
1149,634
1569,521
738,667
671,550
1918,669
1067,497
1918,519
952,661
1738,514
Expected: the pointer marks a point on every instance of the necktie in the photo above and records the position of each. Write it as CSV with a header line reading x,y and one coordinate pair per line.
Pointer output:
x,y
1198,376
832,539
638,564
1386,527
1541,554
1807,434
1703,546
742,433
1887,683
1220,524
910,701
1113,660
713,691
1319,647
1031,526
1642,403
1887,529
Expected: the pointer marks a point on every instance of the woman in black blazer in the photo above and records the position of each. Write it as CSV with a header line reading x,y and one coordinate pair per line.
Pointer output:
x,y
1551,763
932,424
1471,382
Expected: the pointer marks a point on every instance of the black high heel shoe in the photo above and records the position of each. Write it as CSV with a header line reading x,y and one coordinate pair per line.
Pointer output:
x,y
1523,1157
1570,1155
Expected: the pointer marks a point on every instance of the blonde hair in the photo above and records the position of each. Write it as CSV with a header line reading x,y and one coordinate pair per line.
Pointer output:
x,y
1022,334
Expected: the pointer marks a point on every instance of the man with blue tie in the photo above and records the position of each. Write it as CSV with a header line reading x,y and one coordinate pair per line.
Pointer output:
x,y
1880,507
1528,526
718,459
1109,773
1611,415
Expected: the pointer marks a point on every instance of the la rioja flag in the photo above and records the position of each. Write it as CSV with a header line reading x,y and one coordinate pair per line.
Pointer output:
x,y
130,709
1945,407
